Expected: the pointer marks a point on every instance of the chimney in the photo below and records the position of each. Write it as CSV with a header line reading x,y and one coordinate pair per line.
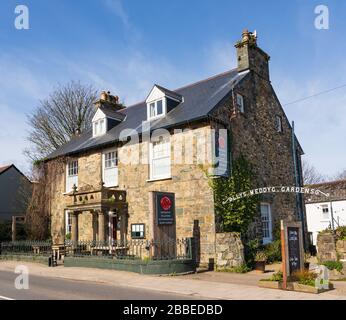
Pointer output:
x,y
108,100
251,57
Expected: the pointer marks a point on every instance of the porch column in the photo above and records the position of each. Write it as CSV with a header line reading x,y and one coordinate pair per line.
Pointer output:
x,y
74,231
101,223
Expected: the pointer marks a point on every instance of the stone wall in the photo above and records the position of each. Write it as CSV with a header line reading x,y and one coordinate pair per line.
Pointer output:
x,y
229,250
341,249
326,249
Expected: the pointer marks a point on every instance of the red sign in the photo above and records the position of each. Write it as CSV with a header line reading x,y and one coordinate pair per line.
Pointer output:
x,y
166,203
222,143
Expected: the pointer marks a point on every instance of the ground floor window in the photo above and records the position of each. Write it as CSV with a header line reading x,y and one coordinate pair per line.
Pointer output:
x,y
68,224
137,231
266,217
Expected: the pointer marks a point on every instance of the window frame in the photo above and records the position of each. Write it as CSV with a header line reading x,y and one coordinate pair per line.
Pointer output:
x,y
278,124
155,103
68,225
73,175
99,130
115,167
323,207
151,161
269,239
240,106
140,236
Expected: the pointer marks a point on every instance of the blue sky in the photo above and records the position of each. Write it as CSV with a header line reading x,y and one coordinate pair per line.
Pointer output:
x,y
126,46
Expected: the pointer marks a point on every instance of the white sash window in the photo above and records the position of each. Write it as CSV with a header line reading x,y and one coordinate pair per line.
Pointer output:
x,y
71,175
160,159
110,168
266,223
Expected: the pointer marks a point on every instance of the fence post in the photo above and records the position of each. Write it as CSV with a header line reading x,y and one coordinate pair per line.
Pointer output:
x,y
192,249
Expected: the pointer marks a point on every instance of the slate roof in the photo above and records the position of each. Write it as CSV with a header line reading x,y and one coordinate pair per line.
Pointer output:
x,y
170,93
200,99
110,112
4,168
335,189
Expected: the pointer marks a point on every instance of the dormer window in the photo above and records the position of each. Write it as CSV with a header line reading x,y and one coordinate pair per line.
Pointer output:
x,y
108,115
99,127
156,109
161,101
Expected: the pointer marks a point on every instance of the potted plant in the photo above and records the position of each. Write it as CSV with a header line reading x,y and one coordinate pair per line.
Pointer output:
x,y
260,261
307,257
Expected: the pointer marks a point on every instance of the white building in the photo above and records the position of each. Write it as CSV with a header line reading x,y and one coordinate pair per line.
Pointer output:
x,y
324,212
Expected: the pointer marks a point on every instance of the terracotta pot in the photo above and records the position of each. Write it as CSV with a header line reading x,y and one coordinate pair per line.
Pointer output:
x,y
260,266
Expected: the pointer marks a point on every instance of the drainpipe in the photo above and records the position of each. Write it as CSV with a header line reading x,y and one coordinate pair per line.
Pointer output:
x,y
299,212
332,215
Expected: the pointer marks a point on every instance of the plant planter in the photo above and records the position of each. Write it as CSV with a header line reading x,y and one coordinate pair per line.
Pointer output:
x,y
292,286
260,266
270,284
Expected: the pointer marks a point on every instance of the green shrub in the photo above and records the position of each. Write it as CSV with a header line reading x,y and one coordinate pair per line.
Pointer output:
x,y
273,251
278,276
241,269
250,250
340,233
304,277
334,265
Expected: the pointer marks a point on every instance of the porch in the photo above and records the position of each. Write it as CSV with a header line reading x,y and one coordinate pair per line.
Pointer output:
x,y
98,215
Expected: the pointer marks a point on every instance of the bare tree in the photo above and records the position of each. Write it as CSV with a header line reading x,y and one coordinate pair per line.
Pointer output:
x,y
311,175
68,110
341,175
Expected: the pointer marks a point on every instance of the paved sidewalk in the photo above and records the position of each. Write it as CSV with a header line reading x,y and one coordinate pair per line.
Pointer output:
x,y
212,285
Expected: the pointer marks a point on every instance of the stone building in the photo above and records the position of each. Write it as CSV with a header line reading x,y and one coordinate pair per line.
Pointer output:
x,y
133,175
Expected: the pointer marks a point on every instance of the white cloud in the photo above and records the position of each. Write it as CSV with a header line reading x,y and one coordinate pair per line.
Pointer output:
x,y
116,6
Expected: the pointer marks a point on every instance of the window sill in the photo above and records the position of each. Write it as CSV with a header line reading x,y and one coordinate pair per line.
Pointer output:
x,y
159,179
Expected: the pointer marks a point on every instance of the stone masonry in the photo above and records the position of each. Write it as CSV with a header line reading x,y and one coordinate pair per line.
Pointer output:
x,y
229,250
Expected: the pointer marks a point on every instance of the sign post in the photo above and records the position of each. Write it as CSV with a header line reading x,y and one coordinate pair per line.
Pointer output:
x,y
292,249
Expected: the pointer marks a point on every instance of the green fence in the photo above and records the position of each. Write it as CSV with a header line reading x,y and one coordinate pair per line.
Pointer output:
x,y
133,249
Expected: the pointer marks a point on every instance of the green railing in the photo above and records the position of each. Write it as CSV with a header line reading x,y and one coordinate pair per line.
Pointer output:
x,y
133,249
26,248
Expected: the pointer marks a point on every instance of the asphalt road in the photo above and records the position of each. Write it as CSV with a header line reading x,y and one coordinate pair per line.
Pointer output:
x,y
43,288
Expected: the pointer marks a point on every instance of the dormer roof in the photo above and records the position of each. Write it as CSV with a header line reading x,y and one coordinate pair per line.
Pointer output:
x,y
165,92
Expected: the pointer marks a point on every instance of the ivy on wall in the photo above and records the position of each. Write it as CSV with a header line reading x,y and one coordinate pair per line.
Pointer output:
x,y
236,215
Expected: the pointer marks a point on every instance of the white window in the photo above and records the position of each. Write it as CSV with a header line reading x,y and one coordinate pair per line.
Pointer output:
x,y
110,168
278,123
266,223
137,231
325,211
155,109
240,103
99,127
160,159
71,175
68,223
